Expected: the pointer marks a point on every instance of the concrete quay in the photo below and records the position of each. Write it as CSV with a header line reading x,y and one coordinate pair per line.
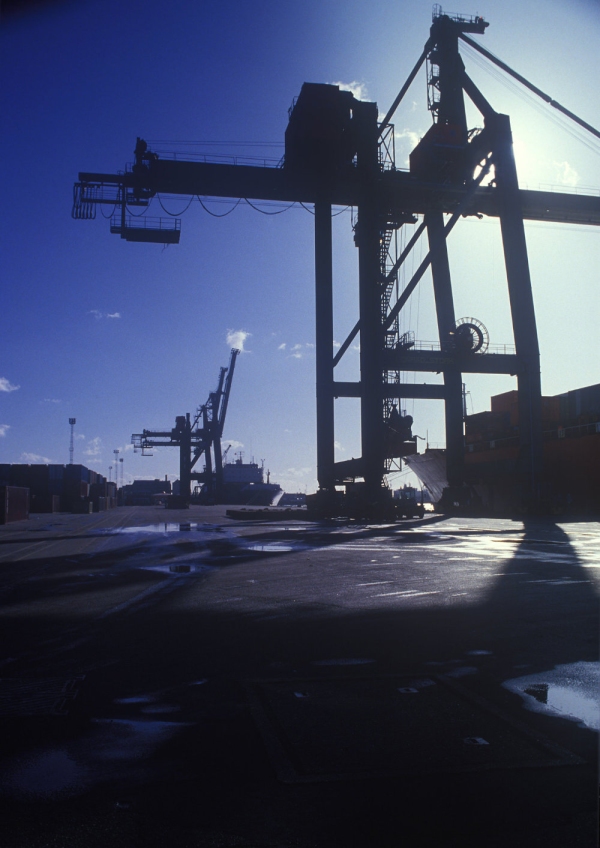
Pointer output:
x,y
182,679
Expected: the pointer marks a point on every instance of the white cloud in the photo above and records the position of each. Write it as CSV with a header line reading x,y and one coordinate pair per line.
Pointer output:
x,y
7,386
99,315
4,428
338,446
236,338
34,458
566,174
52,400
94,447
413,137
298,473
233,446
281,346
406,141
337,344
358,89
298,351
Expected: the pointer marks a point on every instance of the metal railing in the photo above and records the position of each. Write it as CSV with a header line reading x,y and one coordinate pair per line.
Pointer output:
x,y
498,349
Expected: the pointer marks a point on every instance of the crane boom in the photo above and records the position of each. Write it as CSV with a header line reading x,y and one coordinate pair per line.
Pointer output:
x,y
397,190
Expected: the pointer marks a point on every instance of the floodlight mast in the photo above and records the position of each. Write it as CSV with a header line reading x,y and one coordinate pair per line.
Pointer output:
x,y
72,422
334,155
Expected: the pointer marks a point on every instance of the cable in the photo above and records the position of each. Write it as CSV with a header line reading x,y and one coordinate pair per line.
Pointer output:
x,y
173,215
214,214
141,215
528,98
279,211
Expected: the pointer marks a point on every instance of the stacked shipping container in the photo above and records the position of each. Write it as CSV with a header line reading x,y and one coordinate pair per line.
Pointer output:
x,y
14,504
56,488
571,425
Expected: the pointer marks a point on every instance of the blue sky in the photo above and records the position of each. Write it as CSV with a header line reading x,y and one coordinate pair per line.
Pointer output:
x,y
127,336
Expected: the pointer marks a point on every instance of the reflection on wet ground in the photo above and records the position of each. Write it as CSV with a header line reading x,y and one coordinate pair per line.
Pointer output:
x,y
163,527
177,568
571,691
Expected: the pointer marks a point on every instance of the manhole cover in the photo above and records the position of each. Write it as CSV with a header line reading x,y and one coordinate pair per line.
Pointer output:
x,y
343,729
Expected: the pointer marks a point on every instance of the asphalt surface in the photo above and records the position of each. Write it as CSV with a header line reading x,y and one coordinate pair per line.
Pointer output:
x,y
183,679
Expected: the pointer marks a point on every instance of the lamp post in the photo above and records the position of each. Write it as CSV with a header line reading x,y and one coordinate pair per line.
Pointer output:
x,y
109,473
72,422
116,453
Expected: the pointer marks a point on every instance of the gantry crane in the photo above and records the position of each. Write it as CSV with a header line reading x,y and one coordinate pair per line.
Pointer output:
x,y
338,153
200,437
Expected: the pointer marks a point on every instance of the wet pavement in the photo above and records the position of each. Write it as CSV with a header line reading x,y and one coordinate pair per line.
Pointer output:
x,y
201,681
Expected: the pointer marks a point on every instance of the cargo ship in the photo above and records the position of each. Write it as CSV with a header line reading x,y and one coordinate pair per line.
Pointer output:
x,y
571,441
243,484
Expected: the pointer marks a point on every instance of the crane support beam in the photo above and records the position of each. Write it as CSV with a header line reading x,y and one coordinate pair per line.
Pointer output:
x,y
444,306
444,361
396,190
324,345
522,308
418,391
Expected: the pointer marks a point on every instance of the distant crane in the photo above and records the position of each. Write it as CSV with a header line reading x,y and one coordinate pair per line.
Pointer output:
x,y
200,437
339,152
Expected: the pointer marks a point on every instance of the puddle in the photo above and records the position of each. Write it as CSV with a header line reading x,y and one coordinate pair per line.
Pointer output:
x,y
176,568
163,527
570,691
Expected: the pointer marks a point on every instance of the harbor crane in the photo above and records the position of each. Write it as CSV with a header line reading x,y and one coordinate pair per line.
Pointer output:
x,y
197,438
337,152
